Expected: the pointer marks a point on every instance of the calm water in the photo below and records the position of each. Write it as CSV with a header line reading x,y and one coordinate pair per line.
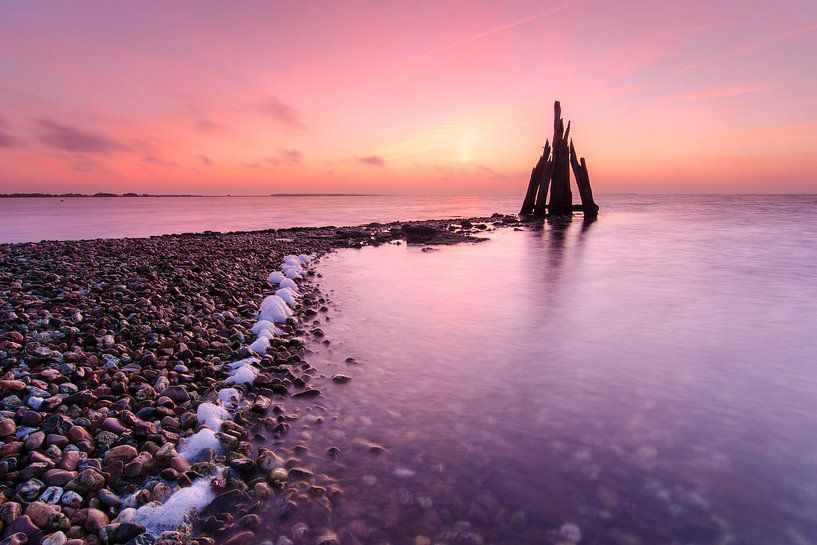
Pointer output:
x,y
27,220
650,378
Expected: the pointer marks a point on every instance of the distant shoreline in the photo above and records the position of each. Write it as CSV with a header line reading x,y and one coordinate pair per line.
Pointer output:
x,y
141,195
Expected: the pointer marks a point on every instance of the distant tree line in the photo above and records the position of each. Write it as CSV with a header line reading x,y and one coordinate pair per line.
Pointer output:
x,y
64,195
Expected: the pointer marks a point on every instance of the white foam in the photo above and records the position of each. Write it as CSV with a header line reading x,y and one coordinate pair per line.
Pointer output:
x,y
275,277
288,295
274,309
211,415
292,260
157,518
192,446
229,396
304,258
265,328
288,283
291,272
260,345
243,375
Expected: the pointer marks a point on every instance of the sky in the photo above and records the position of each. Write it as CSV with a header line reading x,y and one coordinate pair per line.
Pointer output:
x,y
421,97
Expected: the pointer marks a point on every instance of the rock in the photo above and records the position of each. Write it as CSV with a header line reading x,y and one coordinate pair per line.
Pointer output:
x,y
15,539
140,466
31,489
571,532
113,425
268,460
416,234
95,520
9,512
170,538
7,427
123,453
243,538
277,475
58,477
71,499
250,521
24,525
57,538
127,531
70,460
89,480
109,499
341,379
178,394
52,495
39,513
13,385
329,538
35,440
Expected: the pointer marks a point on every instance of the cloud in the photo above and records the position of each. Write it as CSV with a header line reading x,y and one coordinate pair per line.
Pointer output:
x,y
281,112
202,124
749,48
718,92
204,159
287,157
252,165
373,160
7,140
481,35
67,138
156,161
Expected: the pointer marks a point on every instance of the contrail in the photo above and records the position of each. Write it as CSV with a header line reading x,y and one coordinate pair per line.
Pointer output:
x,y
482,35
748,48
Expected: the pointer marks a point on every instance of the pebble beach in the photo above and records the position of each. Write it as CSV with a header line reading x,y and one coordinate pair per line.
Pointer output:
x,y
144,380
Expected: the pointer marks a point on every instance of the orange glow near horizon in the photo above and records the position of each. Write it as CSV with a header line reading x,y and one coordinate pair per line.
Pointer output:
x,y
448,97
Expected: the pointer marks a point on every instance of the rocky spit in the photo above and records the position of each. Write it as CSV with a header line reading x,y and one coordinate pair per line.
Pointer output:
x,y
109,346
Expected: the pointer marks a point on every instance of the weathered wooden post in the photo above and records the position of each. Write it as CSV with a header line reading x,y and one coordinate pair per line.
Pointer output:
x,y
533,186
552,171
544,183
589,208
561,198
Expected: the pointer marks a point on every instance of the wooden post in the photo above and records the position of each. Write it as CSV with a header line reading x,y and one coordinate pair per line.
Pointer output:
x,y
530,197
552,172
583,182
561,198
591,209
544,183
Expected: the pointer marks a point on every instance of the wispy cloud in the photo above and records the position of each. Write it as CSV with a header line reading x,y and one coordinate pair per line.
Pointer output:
x,y
158,161
64,137
286,157
206,161
283,113
372,160
749,48
718,92
481,35
7,140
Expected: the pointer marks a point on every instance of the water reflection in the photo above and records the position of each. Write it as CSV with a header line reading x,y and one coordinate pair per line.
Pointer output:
x,y
644,379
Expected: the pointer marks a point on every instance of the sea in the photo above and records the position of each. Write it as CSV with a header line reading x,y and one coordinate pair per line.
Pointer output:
x,y
647,378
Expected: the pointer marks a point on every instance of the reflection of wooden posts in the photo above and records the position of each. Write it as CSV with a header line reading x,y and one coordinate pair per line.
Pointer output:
x,y
590,208
552,171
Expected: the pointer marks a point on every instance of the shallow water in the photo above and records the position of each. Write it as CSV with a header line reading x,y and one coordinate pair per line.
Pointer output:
x,y
34,219
649,378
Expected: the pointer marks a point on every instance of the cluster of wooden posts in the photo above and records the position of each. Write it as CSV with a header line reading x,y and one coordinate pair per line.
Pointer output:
x,y
552,172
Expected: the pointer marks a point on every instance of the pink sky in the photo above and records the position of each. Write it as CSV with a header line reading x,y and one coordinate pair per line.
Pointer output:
x,y
419,97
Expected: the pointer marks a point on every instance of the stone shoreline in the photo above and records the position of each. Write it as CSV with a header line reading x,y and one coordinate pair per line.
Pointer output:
x,y
109,346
